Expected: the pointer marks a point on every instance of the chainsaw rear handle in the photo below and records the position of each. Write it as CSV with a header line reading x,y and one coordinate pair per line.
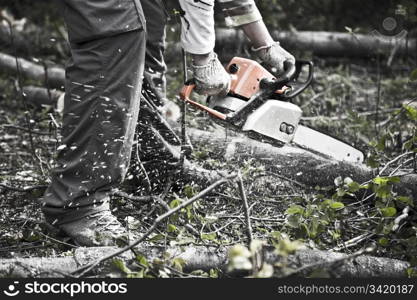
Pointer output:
x,y
290,79
185,94
272,85
297,87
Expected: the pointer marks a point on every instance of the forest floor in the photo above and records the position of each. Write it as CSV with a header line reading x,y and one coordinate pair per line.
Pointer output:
x,y
364,102
352,100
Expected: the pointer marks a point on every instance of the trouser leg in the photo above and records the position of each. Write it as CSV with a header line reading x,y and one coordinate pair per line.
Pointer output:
x,y
101,108
155,67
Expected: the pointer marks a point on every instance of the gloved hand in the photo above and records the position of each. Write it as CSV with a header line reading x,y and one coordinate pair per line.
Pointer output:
x,y
273,57
211,78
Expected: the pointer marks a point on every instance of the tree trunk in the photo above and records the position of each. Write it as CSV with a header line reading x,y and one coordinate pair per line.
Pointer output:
x,y
290,161
206,258
55,76
324,43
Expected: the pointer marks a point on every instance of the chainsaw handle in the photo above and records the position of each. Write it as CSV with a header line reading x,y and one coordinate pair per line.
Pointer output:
x,y
296,87
185,94
278,83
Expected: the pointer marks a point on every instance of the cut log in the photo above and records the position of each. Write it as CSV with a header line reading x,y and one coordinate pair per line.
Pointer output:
x,y
205,258
55,75
324,43
290,161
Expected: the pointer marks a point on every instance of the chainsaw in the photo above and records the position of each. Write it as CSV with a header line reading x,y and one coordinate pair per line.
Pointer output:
x,y
258,104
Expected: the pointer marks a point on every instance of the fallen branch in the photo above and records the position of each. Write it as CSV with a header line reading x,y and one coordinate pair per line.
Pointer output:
x,y
323,43
246,208
204,258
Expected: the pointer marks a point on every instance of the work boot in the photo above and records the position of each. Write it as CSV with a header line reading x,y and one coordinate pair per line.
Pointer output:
x,y
99,229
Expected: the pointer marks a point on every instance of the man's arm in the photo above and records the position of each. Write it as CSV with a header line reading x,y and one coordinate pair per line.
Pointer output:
x,y
245,14
198,39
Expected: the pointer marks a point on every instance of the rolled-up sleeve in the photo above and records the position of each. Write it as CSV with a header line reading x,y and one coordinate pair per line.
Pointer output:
x,y
197,33
239,12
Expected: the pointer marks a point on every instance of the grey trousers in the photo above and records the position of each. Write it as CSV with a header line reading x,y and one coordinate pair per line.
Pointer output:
x,y
103,84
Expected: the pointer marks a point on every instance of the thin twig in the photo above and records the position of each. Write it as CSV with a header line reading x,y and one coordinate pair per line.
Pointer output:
x,y
88,267
24,129
393,161
144,199
354,241
401,217
401,165
246,208
23,190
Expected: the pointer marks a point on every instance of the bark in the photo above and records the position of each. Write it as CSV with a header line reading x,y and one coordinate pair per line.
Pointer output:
x,y
205,258
55,76
324,43
290,161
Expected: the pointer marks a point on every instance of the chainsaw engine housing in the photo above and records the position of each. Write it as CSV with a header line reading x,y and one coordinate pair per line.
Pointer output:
x,y
277,120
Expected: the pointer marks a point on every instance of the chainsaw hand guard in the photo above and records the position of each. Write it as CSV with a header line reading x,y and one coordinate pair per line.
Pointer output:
x,y
290,80
185,96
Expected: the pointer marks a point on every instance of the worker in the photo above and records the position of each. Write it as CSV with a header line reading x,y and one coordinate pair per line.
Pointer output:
x,y
113,44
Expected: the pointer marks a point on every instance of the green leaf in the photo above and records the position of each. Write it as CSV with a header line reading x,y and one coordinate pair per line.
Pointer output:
x,y
340,192
294,210
171,228
383,241
239,250
413,75
213,273
209,236
189,191
388,211
337,205
405,200
178,264
175,203
157,237
383,191
294,221
411,112
354,187
119,264
286,247
142,261
385,180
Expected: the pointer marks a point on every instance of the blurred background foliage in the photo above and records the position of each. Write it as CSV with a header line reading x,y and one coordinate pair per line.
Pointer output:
x,y
327,15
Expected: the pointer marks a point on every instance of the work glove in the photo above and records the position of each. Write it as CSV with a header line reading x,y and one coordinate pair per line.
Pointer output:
x,y
273,57
211,79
